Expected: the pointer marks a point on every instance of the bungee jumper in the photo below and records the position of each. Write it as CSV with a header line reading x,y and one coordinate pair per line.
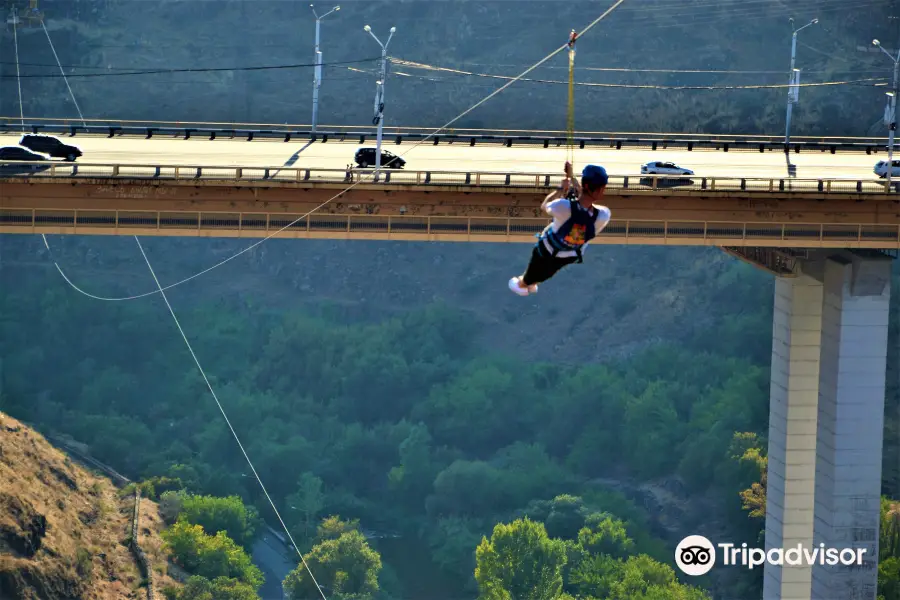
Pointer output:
x,y
576,221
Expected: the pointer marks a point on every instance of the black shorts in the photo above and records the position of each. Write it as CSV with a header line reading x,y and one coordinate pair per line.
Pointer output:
x,y
543,265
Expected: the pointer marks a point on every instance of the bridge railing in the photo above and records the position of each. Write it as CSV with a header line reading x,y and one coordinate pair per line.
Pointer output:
x,y
399,177
450,228
506,137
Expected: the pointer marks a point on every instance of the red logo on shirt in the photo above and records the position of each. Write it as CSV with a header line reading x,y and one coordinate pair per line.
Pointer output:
x,y
576,235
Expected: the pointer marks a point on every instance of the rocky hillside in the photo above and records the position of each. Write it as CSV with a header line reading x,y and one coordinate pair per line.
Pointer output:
x,y
64,532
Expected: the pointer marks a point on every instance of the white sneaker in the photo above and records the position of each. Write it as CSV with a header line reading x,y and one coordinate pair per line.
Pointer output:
x,y
514,286
532,288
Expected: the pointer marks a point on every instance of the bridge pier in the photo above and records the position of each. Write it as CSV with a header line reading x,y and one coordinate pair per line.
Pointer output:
x,y
829,360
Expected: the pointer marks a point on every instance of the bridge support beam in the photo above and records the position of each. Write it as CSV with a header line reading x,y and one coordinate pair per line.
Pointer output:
x,y
829,359
778,261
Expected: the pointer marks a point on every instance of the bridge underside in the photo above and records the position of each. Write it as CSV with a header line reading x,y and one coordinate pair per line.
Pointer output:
x,y
783,262
442,214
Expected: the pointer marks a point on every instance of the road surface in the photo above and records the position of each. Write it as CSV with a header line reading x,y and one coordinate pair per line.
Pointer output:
x,y
268,555
461,157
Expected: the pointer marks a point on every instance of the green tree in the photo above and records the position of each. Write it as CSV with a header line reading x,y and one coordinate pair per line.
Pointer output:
x,y
170,505
652,427
454,485
519,562
528,471
563,516
637,578
642,578
754,497
331,528
230,515
451,540
415,474
889,529
345,567
889,550
210,556
309,500
593,576
603,534
220,588
889,578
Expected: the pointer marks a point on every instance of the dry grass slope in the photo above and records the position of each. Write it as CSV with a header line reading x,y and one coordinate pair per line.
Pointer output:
x,y
64,531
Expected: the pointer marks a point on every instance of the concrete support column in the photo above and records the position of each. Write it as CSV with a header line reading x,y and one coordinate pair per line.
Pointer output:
x,y
829,357
794,391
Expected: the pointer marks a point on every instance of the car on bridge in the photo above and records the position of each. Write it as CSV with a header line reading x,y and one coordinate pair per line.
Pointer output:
x,y
881,168
20,154
664,168
365,157
50,145
15,154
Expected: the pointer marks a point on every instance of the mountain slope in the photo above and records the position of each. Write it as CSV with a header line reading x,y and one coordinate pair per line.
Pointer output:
x,y
64,531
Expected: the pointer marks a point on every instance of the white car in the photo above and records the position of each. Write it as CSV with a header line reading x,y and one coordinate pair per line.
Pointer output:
x,y
881,168
664,168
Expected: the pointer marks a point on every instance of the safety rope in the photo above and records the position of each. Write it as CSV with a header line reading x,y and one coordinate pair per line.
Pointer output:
x,y
227,420
66,79
345,190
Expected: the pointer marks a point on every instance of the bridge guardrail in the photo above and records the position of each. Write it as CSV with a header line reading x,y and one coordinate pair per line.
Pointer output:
x,y
475,180
521,229
548,138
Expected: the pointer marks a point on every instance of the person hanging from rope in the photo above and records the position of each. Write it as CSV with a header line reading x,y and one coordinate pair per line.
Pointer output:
x,y
575,222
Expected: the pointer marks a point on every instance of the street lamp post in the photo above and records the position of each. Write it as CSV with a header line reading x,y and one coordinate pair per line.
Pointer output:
x,y
891,121
379,96
793,90
317,75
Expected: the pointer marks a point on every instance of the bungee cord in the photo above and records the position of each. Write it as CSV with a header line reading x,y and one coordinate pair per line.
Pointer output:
x,y
66,79
227,420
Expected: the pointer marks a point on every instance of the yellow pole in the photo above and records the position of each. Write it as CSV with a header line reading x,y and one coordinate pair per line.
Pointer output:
x,y
570,124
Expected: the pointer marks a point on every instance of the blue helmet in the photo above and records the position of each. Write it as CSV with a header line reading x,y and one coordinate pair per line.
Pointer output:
x,y
595,175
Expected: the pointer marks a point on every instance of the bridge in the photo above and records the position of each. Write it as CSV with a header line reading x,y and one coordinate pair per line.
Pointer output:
x,y
814,214
450,191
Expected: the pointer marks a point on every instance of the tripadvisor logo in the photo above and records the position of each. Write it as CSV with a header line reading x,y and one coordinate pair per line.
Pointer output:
x,y
695,555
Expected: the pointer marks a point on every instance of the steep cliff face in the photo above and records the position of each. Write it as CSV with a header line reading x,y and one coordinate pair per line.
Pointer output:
x,y
649,42
63,530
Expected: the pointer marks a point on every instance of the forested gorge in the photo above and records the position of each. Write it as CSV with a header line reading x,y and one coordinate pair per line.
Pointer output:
x,y
468,459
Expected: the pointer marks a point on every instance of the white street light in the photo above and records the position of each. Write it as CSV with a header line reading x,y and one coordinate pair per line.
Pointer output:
x,y
379,96
317,74
891,111
794,89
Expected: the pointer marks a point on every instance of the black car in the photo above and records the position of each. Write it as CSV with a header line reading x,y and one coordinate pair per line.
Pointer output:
x,y
365,157
17,153
50,145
